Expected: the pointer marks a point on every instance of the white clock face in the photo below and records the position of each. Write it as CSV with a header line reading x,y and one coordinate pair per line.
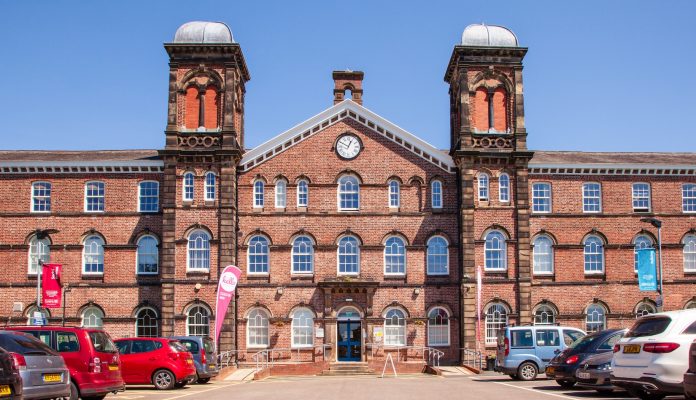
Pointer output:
x,y
348,146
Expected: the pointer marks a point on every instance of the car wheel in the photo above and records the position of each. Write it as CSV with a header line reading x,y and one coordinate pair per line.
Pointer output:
x,y
565,383
203,380
74,393
645,395
163,379
527,371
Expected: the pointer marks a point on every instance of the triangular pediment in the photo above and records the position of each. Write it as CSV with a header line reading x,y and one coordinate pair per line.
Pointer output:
x,y
339,112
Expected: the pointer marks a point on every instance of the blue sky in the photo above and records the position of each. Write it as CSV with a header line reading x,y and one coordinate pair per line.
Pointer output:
x,y
599,75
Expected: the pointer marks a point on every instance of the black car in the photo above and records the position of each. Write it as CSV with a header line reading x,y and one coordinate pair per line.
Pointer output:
x,y
10,380
562,367
690,375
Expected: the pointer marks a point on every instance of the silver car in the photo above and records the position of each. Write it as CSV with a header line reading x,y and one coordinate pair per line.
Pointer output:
x,y
43,371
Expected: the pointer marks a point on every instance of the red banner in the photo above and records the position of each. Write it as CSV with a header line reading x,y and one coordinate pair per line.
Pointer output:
x,y
228,283
51,289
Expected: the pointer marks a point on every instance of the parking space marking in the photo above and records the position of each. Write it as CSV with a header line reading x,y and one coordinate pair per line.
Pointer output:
x,y
202,391
562,396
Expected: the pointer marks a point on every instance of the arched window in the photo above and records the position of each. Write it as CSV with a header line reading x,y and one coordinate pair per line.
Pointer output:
x,y
302,328
148,255
438,327
690,305
348,256
436,194
641,242
495,252
210,111
504,188
594,255
544,315
257,328
93,256
94,196
198,251
348,193
496,319
483,186
438,256
302,193
257,255
45,314
198,321
394,256
38,250
394,328
146,323
258,194
280,194
92,317
498,116
644,308
596,319
148,196
543,255
302,255
394,194
41,197
210,186
690,253
191,119
187,191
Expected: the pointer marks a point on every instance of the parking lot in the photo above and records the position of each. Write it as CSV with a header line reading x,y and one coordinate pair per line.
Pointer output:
x,y
368,388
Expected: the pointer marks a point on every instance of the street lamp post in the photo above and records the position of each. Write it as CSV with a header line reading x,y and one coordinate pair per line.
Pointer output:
x,y
660,290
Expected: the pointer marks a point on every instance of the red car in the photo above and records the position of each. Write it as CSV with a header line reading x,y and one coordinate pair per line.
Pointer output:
x,y
162,362
89,354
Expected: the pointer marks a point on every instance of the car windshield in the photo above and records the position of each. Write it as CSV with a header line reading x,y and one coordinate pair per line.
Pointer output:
x,y
584,342
648,326
177,346
208,345
102,343
25,345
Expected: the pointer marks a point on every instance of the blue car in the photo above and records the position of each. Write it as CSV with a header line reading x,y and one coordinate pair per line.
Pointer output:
x,y
523,351
204,357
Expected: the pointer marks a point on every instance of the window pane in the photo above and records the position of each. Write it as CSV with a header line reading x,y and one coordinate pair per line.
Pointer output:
x,y
302,255
641,242
257,255
394,328
38,250
94,196
394,256
149,196
436,195
258,194
302,328
504,183
302,194
689,198
348,256
595,320
41,197
496,319
438,256
690,253
394,194
438,327
591,197
349,193
210,186
541,197
257,329
93,256
199,250
148,255
483,187
198,321
594,255
495,251
280,194
543,255
544,315
92,317
146,323
188,186
641,197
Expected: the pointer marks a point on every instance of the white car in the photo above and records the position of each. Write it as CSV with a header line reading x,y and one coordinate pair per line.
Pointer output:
x,y
651,359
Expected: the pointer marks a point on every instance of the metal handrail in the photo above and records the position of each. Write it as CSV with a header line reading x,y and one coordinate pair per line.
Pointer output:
x,y
429,355
267,357
473,357
225,358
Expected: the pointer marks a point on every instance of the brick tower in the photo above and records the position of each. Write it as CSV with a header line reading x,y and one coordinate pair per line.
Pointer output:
x,y
488,144
204,143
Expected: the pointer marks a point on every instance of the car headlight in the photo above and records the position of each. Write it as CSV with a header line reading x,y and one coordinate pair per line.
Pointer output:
x,y
604,367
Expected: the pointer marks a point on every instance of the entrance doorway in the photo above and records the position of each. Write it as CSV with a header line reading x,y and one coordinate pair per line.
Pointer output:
x,y
349,340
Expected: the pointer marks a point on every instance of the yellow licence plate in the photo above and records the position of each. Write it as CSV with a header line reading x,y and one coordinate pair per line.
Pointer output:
x,y
549,370
113,367
631,348
189,361
52,378
5,390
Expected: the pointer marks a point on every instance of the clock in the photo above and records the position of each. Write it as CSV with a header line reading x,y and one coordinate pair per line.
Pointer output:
x,y
348,146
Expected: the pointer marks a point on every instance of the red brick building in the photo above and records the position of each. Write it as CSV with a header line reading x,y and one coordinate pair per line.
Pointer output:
x,y
352,234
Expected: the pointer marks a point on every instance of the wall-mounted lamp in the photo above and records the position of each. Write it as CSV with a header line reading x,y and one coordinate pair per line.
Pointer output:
x,y
197,288
416,291
279,290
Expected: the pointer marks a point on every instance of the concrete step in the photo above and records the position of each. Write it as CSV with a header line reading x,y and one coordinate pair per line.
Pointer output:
x,y
347,373
353,368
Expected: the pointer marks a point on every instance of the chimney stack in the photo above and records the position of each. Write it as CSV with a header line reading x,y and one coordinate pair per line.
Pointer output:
x,y
345,81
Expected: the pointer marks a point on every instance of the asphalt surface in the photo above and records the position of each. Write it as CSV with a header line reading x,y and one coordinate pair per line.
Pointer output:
x,y
426,387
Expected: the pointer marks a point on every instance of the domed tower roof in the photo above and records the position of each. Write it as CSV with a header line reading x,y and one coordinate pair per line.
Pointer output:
x,y
482,35
204,32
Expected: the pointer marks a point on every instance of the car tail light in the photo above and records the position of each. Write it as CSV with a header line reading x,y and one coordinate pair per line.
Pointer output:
x,y
572,359
202,356
95,365
507,346
20,363
660,347
174,355
617,348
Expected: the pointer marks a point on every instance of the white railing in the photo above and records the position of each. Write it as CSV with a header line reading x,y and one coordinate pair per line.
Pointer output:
x,y
268,357
474,358
228,357
429,355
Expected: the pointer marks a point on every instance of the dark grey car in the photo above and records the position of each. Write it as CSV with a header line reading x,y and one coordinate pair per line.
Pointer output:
x,y
204,357
594,373
43,371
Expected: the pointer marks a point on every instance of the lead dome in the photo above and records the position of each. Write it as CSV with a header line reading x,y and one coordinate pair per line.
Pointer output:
x,y
203,32
482,35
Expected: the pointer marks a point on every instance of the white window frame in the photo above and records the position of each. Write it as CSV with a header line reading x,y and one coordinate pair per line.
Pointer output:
x,y
141,196
504,188
302,328
436,194
341,190
90,314
140,320
261,318
641,197
138,255
210,186
394,334
201,249
689,198
547,313
99,255
202,327
32,309
483,186
585,253
689,253
92,196
644,308
550,254
338,256
253,246
394,193
591,318
445,328
281,194
41,199
639,243
393,255
302,189
496,318
310,254
38,250
258,191
489,240
587,198
427,254
188,187
535,197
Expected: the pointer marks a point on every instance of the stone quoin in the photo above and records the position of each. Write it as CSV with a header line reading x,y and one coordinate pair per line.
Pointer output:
x,y
353,236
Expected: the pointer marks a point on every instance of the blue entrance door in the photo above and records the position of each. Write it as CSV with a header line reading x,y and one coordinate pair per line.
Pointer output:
x,y
349,333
